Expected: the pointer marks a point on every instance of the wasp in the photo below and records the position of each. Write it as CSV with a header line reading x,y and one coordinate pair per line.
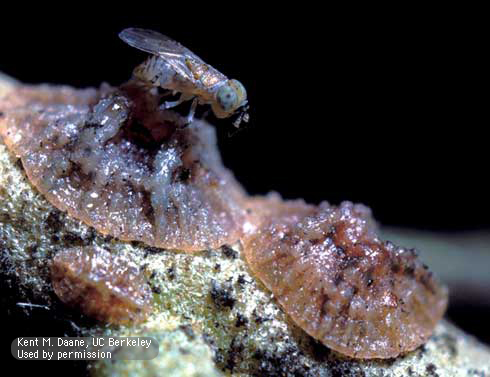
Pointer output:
x,y
174,67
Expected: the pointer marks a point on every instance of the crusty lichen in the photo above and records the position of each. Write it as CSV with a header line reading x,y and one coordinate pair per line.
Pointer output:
x,y
181,353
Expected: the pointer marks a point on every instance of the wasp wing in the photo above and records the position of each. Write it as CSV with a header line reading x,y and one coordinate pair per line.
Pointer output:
x,y
158,44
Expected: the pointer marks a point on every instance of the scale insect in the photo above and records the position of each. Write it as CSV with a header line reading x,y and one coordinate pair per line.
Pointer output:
x,y
176,68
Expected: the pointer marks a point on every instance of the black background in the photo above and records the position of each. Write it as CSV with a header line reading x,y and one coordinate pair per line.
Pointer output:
x,y
386,107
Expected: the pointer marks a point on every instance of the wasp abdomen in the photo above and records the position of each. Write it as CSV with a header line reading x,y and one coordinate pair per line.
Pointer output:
x,y
154,70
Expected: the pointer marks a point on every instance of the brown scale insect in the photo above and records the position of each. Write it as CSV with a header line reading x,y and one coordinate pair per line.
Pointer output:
x,y
102,285
115,161
356,294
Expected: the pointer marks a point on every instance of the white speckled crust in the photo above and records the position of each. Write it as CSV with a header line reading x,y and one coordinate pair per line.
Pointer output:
x,y
341,284
124,167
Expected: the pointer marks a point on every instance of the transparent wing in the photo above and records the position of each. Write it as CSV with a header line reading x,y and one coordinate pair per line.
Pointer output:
x,y
158,44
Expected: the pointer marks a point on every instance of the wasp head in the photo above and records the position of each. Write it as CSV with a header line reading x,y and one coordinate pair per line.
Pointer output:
x,y
229,97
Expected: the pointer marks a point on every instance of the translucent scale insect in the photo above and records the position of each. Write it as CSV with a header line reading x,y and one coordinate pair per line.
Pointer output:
x,y
176,68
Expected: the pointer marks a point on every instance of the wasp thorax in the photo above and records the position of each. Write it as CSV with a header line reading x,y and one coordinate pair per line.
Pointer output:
x,y
229,97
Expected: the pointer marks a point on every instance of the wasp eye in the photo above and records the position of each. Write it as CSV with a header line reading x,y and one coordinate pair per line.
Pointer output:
x,y
227,97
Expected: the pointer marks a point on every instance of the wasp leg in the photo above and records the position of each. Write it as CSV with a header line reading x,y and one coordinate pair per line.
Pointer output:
x,y
192,111
170,104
